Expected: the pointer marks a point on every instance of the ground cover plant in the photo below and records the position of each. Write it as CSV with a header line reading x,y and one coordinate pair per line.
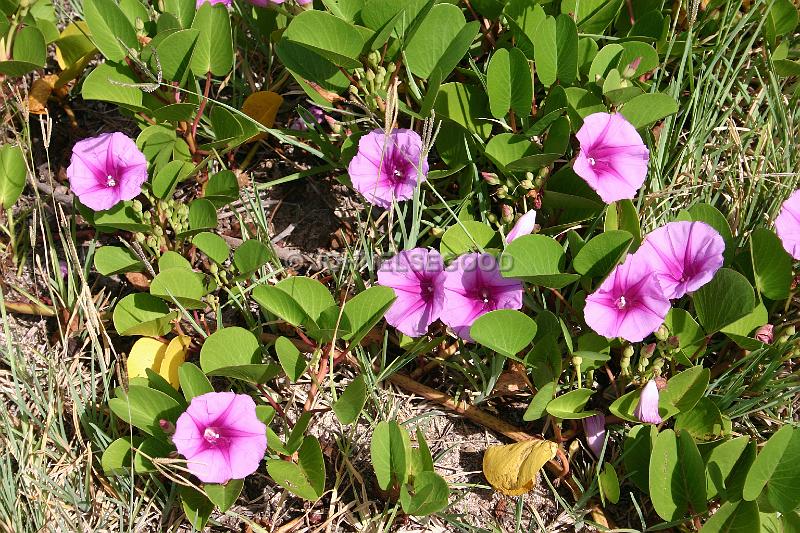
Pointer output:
x,y
372,265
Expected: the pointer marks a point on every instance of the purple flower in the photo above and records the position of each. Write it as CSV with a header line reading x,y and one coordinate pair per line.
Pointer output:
x,y
212,2
473,286
766,333
221,437
417,277
388,167
628,304
787,224
613,159
301,122
595,429
684,256
647,408
106,170
524,226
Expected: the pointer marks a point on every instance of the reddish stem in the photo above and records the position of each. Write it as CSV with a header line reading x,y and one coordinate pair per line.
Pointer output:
x,y
202,107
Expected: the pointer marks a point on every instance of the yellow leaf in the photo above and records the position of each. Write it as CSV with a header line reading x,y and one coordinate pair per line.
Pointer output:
x,y
145,353
40,93
79,51
262,106
512,469
174,356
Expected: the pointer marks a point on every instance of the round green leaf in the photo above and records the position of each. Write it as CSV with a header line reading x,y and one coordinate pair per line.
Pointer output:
x,y
142,314
110,260
110,29
144,407
328,36
193,381
570,406
306,478
250,256
776,471
218,349
213,51
677,476
538,259
466,236
505,331
351,402
598,256
169,176
180,285
12,174
725,299
772,266
212,245
648,108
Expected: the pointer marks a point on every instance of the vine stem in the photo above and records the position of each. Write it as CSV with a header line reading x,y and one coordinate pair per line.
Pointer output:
x,y
202,107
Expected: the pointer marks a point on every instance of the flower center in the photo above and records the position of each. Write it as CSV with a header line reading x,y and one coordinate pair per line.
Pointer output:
x,y
212,435
110,181
621,303
485,295
396,173
592,161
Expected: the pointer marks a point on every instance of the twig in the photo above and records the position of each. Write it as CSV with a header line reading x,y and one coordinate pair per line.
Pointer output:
x,y
202,107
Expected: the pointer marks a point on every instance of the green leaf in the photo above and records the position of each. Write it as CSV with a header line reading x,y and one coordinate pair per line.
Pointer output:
x,y
251,255
570,406
555,46
305,479
435,33
605,60
223,496
168,177
776,471
217,353
213,51
110,260
592,16
772,266
110,29
365,310
144,407
505,331
183,10
212,245
714,218
509,83
609,484
202,216
646,109
390,451
30,46
781,19
142,314
292,361
170,259
175,54
193,381
328,36
689,333
622,215
149,449
222,188
602,253
312,296
582,103
537,259
734,517
633,50
545,360
116,458
103,83
121,216
725,299
430,495
638,449
677,476
349,405
466,236
197,507
180,285
13,172
538,406
466,105
257,374
280,303
685,389
720,463
703,421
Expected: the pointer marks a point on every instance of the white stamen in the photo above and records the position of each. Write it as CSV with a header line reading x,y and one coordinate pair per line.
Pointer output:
x,y
621,303
110,181
397,173
592,161
211,435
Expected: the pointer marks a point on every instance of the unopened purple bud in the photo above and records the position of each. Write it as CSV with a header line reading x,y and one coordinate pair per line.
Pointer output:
x,y
647,408
766,333
595,429
166,426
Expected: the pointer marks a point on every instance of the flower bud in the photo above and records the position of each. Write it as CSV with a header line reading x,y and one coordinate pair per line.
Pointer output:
x,y
166,426
647,408
662,332
765,333
595,429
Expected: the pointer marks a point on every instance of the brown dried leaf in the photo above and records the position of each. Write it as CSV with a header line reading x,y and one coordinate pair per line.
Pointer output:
x,y
40,93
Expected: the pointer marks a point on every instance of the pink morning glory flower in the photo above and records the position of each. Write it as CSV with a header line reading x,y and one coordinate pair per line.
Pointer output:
x,y
613,158
787,224
595,429
524,226
221,437
106,170
473,286
301,123
212,2
388,167
684,256
417,277
647,408
628,304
